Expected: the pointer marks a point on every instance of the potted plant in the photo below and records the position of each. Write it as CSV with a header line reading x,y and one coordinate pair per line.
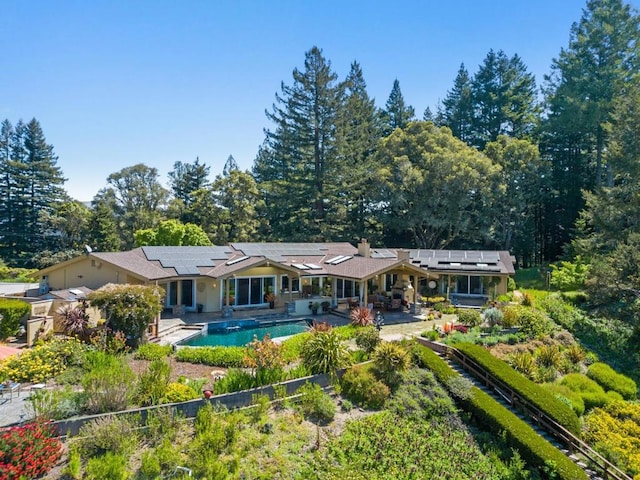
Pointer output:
x,y
314,306
270,298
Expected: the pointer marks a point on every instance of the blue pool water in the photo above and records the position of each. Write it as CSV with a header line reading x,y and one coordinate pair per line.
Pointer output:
x,y
241,332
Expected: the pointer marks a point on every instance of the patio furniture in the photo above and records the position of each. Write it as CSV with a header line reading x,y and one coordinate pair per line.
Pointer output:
x,y
9,388
353,303
396,304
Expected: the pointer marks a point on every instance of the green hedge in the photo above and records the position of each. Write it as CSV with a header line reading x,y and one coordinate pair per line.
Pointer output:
x,y
11,311
593,395
214,356
152,351
609,379
533,393
535,450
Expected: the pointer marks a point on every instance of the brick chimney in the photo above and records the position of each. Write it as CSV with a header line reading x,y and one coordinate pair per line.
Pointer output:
x,y
364,249
402,254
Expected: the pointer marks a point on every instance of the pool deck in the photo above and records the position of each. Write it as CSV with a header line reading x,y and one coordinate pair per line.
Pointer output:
x,y
397,325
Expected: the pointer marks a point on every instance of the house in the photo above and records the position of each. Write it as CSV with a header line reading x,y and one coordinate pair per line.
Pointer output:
x,y
245,275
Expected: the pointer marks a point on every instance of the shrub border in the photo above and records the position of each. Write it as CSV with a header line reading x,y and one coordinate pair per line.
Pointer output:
x,y
536,451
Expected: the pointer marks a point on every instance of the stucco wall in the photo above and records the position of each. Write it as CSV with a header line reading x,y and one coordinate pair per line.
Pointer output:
x,y
86,272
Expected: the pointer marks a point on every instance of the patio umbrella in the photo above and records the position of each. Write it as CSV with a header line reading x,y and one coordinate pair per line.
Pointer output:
x,y
6,352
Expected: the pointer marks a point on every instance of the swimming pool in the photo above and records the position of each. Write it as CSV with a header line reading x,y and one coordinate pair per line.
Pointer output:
x,y
241,332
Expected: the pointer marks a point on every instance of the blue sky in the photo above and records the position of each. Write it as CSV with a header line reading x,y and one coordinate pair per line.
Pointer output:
x,y
115,83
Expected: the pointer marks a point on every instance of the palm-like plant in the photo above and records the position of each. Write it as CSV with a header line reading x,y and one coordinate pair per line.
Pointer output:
x,y
361,317
390,360
324,352
75,320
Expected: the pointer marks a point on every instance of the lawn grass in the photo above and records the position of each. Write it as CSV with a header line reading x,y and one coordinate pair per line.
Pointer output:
x,y
530,278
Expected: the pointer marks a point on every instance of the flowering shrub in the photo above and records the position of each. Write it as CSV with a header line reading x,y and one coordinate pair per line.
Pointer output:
x,y
179,392
615,431
28,451
42,362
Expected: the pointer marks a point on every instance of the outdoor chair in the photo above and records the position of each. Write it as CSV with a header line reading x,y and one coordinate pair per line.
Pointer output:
x,y
9,388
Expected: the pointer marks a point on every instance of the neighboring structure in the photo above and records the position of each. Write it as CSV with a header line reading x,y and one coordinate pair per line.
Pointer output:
x,y
244,275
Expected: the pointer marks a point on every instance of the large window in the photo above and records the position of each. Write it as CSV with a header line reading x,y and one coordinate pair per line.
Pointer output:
x,y
290,284
251,290
347,288
469,284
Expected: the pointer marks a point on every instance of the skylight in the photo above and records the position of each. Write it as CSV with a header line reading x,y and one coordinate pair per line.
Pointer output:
x,y
236,260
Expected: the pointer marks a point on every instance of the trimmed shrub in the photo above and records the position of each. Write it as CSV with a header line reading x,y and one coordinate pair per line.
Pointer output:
x,y
533,393
367,338
359,385
11,311
609,379
488,412
179,392
230,357
592,394
152,351
469,317
565,393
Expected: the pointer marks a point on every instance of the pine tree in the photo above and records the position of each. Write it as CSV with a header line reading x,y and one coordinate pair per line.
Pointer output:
x,y
186,178
32,184
358,133
397,114
229,166
457,107
102,229
586,80
503,96
300,152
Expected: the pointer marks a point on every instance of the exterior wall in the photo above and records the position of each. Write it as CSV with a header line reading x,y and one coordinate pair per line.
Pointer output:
x,y
88,272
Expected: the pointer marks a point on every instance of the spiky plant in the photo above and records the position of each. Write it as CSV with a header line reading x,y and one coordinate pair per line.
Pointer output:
x,y
324,352
361,317
524,363
75,320
390,360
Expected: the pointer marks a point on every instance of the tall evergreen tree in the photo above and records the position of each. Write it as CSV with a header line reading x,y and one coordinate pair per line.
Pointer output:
x,y
457,107
586,80
186,178
358,133
32,184
300,152
397,114
229,166
503,95
102,227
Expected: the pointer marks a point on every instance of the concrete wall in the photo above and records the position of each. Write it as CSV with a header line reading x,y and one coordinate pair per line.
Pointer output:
x,y
189,409
38,327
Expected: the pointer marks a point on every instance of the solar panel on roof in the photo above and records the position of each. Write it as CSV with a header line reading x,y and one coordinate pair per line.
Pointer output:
x,y
313,266
333,259
300,266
